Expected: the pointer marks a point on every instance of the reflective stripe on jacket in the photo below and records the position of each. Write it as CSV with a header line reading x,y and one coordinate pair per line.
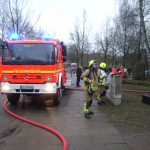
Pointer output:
x,y
90,75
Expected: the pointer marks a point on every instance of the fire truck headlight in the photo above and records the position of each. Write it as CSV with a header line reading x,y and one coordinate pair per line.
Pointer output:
x,y
50,87
5,87
48,78
5,78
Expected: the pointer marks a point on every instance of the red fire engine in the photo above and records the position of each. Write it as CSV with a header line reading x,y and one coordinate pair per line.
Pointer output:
x,y
33,67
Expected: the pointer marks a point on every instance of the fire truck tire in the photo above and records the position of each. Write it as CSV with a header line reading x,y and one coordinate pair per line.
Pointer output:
x,y
57,97
13,98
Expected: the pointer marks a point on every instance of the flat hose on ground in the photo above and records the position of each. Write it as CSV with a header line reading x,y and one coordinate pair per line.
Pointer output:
x,y
124,90
59,135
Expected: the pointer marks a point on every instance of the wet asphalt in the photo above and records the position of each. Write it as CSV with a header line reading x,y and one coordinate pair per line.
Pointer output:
x,y
96,133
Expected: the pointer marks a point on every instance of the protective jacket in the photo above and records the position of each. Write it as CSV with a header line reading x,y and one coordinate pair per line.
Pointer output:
x,y
102,79
90,77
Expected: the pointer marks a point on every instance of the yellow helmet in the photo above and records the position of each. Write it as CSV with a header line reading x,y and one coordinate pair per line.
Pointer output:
x,y
103,65
92,62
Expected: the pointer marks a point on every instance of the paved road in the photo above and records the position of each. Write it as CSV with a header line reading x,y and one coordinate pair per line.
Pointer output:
x,y
96,133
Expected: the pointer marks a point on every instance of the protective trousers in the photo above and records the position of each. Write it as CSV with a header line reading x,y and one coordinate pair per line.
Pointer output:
x,y
87,100
101,92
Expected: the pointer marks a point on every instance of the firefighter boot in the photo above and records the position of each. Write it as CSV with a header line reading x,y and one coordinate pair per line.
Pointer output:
x,y
86,110
87,115
101,101
91,111
101,98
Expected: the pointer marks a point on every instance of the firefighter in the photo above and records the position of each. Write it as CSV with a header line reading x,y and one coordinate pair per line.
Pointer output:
x,y
78,73
102,83
89,77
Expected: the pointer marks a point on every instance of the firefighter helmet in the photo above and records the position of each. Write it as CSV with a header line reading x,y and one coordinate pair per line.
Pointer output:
x,y
103,65
92,62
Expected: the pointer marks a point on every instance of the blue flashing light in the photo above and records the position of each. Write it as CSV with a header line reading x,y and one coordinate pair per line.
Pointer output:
x,y
14,36
47,37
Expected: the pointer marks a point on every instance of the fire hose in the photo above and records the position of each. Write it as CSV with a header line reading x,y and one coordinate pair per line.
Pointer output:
x,y
59,135
124,90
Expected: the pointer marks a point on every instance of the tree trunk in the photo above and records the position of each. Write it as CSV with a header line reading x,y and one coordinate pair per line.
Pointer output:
x,y
124,49
139,46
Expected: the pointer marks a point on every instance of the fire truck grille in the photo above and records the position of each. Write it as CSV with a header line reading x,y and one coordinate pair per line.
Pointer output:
x,y
28,90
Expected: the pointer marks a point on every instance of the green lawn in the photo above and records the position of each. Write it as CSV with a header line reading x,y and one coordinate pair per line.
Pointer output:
x,y
132,116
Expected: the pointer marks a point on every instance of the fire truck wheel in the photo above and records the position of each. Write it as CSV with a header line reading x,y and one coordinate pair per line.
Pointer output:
x,y
13,98
57,97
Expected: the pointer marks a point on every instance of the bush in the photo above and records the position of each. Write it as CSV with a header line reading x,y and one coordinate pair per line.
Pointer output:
x,y
138,71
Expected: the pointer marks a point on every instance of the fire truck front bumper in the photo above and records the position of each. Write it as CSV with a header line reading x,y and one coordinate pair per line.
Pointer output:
x,y
29,88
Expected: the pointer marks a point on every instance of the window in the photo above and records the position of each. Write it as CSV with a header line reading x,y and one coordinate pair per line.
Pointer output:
x,y
56,55
29,54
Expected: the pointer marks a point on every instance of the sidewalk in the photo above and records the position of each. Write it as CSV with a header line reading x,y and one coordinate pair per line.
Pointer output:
x,y
96,133
139,141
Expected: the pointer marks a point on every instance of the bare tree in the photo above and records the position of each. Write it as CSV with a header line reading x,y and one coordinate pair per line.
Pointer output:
x,y
113,47
16,18
127,29
103,41
79,38
76,41
72,57
124,13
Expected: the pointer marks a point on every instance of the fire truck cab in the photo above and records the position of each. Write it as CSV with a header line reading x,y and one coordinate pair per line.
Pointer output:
x,y
33,67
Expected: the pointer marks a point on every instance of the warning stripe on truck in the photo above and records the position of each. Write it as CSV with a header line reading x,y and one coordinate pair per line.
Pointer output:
x,y
32,71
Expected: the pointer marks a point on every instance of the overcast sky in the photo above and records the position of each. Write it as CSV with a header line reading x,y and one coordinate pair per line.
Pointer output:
x,y
58,16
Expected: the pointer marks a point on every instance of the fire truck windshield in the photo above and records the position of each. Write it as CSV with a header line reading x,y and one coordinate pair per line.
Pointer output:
x,y
23,54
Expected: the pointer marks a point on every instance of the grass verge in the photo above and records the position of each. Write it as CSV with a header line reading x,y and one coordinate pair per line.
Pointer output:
x,y
132,116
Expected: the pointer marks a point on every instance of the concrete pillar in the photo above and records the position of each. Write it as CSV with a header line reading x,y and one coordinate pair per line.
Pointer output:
x,y
115,88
